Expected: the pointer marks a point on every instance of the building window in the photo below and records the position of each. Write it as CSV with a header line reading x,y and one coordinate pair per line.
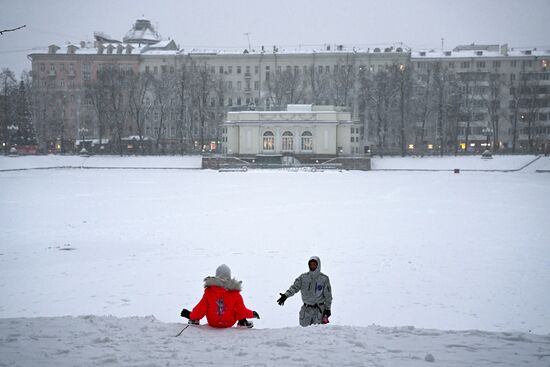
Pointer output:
x,y
256,85
42,67
230,85
480,64
465,65
238,69
230,101
155,69
238,101
513,63
288,141
268,141
256,69
238,85
230,69
147,69
307,141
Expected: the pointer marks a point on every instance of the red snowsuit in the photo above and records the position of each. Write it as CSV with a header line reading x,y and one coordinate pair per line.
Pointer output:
x,y
222,303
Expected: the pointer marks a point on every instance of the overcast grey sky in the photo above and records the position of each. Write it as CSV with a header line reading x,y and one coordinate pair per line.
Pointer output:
x,y
209,23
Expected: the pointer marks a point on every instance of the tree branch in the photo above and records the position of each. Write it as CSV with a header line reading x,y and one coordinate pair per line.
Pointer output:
x,y
11,30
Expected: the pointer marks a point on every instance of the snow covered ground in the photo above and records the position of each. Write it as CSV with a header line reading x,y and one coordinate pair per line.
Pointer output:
x,y
436,250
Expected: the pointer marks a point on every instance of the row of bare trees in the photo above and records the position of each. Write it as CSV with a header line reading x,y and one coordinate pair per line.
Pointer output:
x,y
399,105
147,106
438,106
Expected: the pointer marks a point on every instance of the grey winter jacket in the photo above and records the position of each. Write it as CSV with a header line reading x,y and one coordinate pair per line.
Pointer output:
x,y
315,287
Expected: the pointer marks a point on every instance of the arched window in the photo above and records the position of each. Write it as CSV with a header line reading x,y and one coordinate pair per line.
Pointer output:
x,y
307,141
268,141
288,141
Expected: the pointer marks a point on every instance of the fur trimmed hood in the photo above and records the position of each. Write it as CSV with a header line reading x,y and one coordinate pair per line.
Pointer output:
x,y
229,284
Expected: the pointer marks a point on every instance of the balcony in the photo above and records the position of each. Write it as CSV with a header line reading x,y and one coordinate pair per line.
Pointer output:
x,y
52,73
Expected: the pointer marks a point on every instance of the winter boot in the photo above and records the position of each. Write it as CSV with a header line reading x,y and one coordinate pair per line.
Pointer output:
x,y
245,323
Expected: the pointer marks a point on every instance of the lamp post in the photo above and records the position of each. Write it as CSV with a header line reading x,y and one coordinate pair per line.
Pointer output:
x,y
11,130
487,131
83,132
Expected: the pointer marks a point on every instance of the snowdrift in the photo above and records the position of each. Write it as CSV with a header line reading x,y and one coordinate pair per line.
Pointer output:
x,y
145,341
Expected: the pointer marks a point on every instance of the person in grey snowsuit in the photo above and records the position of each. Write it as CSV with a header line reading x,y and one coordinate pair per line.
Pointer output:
x,y
316,294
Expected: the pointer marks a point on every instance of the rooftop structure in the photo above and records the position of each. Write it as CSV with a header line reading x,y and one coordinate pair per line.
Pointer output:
x,y
142,32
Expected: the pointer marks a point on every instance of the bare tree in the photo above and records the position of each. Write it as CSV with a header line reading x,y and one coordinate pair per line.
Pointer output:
x,y
447,106
286,87
138,86
513,84
423,106
319,82
404,74
342,81
529,104
163,91
494,110
184,90
116,81
380,92
218,93
202,87
96,96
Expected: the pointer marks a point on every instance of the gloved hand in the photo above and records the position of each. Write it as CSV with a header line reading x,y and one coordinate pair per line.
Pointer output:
x,y
281,301
185,313
326,313
256,315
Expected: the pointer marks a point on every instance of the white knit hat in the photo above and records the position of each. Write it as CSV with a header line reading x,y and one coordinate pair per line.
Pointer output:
x,y
223,271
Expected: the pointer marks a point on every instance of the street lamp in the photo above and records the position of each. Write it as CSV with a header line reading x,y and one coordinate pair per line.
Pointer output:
x,y
11,130
487,131
83,131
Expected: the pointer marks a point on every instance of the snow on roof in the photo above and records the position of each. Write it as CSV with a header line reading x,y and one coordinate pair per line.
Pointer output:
x,y
482,51
298,49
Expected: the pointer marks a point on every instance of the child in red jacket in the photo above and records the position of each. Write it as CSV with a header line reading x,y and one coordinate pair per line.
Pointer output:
x,y
222,303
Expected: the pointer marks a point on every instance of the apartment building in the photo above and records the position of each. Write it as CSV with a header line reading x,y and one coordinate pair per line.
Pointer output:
x,y
492,96
504,95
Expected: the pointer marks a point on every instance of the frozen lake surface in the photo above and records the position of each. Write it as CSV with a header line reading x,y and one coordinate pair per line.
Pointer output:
x,y
433,250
